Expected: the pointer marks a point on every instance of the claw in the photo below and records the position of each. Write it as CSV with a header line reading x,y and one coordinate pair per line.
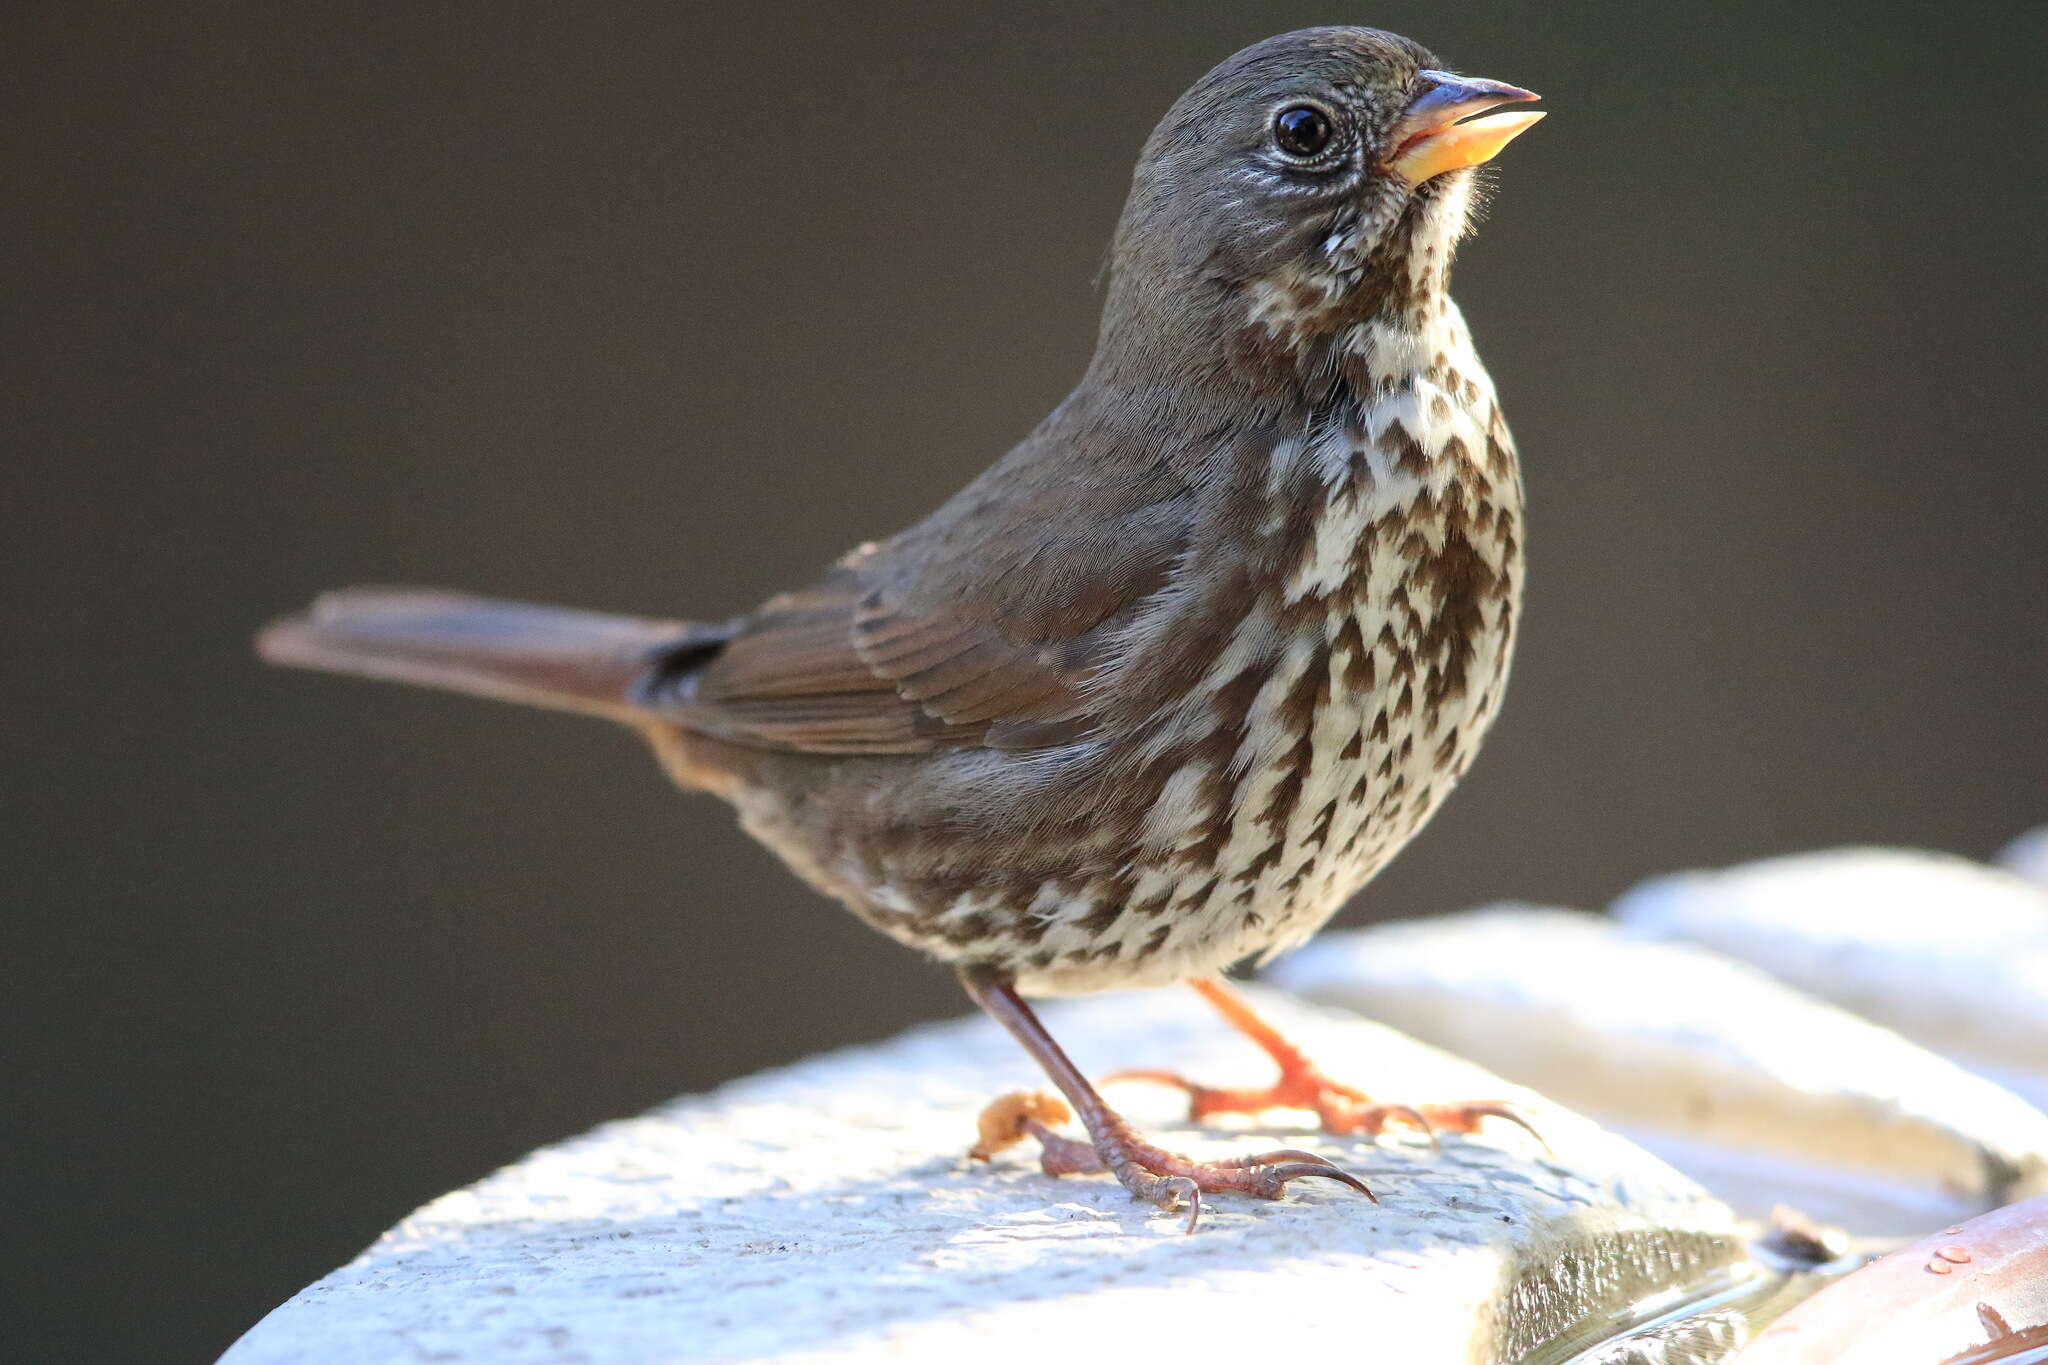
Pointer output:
x,y
1291,1163
1192,1192
1373,1118
1501,1109
1302,1170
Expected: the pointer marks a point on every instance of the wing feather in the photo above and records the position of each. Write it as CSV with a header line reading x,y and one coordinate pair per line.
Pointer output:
x,y
840,669
982,626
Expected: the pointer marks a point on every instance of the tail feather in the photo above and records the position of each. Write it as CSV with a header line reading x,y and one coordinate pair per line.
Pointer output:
x,y
513,651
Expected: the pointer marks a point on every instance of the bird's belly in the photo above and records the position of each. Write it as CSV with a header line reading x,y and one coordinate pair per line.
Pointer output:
x,y
1360,704
1332,720
1311,820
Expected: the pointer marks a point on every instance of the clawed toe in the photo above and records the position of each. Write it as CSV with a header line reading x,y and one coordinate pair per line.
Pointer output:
x,y
1291,1163
1281,1172
1465,1117
1433,1120
1338,1108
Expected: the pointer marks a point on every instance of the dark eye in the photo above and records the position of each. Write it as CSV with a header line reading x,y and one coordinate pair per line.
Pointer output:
x,y
1302,130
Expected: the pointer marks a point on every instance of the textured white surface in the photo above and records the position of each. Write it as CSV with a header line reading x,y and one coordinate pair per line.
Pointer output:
x,y
1950,953
825,1212
1763,1093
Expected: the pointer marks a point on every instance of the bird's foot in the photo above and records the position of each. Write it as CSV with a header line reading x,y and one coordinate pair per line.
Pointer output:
x,y
1150,1173
1339,1108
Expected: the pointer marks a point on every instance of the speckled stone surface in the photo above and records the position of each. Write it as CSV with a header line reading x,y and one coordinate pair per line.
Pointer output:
x,y
824,1211
1765,1094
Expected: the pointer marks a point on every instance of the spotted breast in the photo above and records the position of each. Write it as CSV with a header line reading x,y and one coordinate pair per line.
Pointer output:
x,y
1343,669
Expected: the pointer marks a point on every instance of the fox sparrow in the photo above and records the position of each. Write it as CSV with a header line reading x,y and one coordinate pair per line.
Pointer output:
x,y
1170,681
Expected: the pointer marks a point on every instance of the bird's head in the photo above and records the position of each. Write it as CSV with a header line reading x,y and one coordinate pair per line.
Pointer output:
x,y
1316,179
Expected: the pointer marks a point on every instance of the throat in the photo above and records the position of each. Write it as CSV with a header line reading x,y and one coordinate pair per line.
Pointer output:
x,y
1410,330
1427,345
1390,304
1408,418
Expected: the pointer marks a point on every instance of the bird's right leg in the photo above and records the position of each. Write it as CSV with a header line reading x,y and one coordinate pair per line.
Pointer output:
x,y
1303,1085
1151,1173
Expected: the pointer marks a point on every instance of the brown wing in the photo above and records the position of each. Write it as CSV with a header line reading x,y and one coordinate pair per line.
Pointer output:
x,y
987,624
912,646
840,669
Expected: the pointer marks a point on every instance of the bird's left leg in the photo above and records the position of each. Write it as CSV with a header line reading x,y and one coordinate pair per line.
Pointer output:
x,y
1303,1085
1153,1174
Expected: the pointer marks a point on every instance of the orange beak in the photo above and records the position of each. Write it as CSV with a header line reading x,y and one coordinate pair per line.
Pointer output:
x,y
1429,139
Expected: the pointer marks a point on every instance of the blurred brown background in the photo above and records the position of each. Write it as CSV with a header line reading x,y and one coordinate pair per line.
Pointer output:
x,y
658,308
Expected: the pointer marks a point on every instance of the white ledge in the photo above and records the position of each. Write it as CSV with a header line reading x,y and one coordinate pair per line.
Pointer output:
x,y
825,1211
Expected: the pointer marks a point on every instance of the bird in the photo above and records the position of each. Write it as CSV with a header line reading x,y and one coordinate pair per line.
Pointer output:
x,y
1168,683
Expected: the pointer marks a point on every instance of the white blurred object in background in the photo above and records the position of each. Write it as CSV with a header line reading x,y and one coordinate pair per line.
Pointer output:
x,y
1762,1093
1950,953
2027,855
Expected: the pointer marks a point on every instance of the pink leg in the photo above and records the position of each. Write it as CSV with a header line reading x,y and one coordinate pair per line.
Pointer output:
x,y
1302,1085
1148,1172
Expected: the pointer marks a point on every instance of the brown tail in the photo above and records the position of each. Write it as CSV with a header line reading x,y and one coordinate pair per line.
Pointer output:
x,y
544,656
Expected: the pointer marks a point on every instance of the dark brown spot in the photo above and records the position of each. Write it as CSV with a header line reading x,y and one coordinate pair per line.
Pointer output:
x,y
1287,787
1231,711
968,928
1319,828
1153,904
1099,920
1406,451
1359,668
1267,857
1498,461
